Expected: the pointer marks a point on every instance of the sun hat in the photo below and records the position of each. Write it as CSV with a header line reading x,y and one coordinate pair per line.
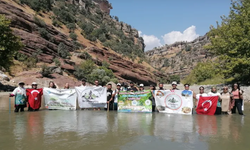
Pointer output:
x,y
118,84
34,83
174,83
141,85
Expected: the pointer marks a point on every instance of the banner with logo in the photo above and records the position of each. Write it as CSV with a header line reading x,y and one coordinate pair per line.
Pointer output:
x,y
135,101
207,105
64,99
91,97
174,101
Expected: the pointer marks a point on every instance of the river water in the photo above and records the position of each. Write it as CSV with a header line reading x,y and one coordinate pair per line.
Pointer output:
x,y
101,130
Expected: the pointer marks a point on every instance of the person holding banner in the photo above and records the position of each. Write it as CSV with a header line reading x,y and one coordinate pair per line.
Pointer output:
x,y
215,93
202,93
109,97
20,97
66,86
34,97
141,87
174,86
52,85
238,97
132,87
115,96
152,88
227,102
83,83
97,85
161,86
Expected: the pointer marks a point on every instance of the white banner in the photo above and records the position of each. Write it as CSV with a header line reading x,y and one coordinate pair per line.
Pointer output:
x,y
64,99
91,97
174,101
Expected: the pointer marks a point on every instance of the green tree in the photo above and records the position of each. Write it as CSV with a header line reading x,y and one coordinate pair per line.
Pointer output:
x,y
230,40
100,75
9,43
84,69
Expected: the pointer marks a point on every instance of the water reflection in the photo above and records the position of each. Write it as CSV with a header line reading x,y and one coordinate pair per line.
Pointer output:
x,y
103,130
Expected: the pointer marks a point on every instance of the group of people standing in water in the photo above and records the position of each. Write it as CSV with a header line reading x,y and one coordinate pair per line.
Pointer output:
x,y
228,101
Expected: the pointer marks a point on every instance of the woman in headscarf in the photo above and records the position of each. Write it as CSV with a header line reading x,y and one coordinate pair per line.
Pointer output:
x,y
215,93
20,97
227,101
238,97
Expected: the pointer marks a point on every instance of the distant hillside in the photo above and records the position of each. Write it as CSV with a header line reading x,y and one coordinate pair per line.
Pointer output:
x,y
179,58
64,34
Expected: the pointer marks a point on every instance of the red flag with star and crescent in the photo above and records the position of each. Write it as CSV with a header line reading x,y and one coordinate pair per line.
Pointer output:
x,y
34,97
207,105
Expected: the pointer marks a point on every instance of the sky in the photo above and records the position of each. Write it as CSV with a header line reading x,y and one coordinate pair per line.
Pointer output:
x,y
162,22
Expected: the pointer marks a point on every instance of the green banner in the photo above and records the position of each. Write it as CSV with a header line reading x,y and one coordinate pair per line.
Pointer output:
x,y
135,101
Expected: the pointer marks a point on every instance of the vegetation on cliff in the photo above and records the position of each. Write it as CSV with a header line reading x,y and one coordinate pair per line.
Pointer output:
x,y
96,25
9,43
230,42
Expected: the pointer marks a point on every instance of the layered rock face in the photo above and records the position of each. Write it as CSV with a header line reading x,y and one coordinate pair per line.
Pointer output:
x,y
27,28
179,58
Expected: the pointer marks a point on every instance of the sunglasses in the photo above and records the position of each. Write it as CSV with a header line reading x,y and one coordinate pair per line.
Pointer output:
x,y
225,89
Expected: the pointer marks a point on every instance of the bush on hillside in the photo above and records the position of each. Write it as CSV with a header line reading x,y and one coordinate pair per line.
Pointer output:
x,y
46,71
39,22
44,33
62,50
73,36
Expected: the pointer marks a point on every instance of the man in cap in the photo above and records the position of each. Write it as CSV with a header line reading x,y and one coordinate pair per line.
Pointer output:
x,y
141,87
115,95
20,97
132,87
34,97
174,86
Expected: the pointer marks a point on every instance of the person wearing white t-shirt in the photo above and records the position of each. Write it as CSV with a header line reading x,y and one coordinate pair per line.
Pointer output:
x,y
115,96
215,93
97,85
201,94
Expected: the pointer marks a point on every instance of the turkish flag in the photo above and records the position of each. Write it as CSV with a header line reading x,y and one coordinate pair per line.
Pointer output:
x,y
207,105
34,97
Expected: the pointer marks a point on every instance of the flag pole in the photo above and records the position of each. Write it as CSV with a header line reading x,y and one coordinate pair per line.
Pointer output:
x,y
108,106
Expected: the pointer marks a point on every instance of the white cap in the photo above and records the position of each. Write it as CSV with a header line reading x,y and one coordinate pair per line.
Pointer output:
x,y
141,85
174,83
34,83
119,84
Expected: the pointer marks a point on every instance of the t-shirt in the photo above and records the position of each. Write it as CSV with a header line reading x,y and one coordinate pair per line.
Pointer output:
x,y
20,96
116,92
215,94
109,94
